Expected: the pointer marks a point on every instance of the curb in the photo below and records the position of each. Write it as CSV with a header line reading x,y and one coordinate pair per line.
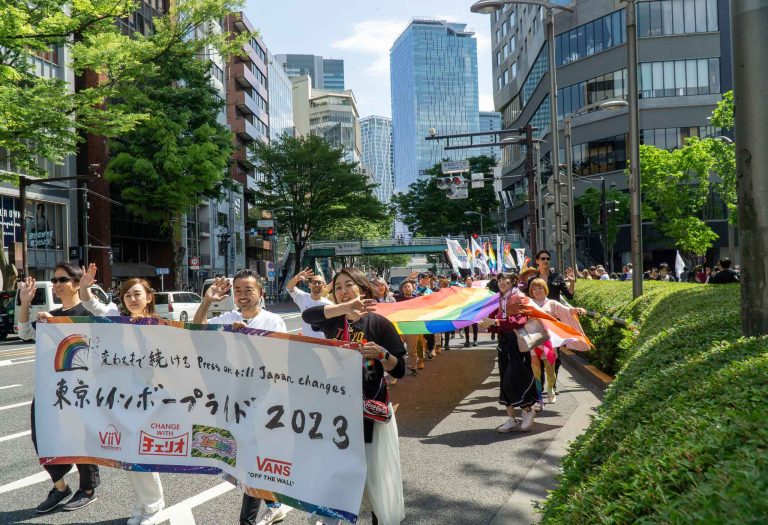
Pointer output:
x,y
585,367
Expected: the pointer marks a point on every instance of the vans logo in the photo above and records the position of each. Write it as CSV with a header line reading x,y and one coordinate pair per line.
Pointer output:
x,y
273,466
110,438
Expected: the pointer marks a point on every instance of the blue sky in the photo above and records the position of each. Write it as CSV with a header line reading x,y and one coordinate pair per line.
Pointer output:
x,y
361,32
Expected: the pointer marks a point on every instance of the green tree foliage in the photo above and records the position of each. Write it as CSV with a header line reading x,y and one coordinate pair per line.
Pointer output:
x,y
675,187
181,152
379,263
312,189
590,203
724,154
44,118
429,213
356,228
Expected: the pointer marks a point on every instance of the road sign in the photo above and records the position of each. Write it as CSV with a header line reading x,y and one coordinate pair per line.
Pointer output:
x,y
348,248
162,271
194,263
454,166
478,180
265,223
270,276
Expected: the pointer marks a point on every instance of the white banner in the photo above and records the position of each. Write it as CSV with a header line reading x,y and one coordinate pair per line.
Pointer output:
x,y
480,262
457,255
276,414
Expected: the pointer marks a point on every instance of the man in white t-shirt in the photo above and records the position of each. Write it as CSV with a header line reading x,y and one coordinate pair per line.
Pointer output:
x,y
305,300
247,313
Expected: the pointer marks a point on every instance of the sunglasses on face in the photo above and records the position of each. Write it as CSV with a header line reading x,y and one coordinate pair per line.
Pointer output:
x,y
543,258
61,280
317,282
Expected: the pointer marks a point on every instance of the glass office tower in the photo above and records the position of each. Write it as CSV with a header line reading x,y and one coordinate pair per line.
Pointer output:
x,y
376,133
433,68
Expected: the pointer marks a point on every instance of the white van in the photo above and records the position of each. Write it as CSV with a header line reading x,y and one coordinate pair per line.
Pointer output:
x,y
227,305
177,306
45,301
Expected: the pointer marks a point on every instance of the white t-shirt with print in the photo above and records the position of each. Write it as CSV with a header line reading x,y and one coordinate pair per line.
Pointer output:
x,y
304,300
263,321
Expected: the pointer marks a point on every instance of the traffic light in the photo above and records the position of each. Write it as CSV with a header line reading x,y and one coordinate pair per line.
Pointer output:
x,y
475,236
266,232
455,186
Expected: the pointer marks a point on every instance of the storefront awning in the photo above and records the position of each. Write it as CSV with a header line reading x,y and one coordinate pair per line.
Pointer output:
x,y
133,270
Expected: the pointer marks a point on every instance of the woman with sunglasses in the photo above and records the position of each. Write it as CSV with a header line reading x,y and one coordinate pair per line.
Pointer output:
x,y
138,300
66,282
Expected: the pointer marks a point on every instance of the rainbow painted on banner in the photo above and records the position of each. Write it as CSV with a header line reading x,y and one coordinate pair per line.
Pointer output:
x,y
442,311
70,353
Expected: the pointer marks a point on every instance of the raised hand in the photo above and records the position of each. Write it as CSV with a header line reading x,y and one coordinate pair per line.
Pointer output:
x,y
27,291
305,274
358,307
89,276
219,290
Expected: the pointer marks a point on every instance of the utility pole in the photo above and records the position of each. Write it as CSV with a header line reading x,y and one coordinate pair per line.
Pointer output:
x,y
533,223
636,230
554,141
85,224
749,18
604,216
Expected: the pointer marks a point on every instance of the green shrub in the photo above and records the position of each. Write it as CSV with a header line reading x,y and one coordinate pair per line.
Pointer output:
x,y
681,436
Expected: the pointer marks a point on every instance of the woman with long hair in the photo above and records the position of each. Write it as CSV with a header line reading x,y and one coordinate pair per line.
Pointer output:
x,y
66,282
381,292
518,387
138,300
352,319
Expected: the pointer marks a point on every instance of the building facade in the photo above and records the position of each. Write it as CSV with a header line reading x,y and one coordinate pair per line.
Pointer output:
x,y
280,101
684,65
332,115
433,72
326,73
489,121
376,134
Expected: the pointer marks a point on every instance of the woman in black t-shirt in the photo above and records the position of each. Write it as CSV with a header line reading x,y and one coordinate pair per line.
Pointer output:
x,y
352,319
66,283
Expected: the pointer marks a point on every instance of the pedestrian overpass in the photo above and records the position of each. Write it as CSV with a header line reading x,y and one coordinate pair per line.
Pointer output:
x,y
396,246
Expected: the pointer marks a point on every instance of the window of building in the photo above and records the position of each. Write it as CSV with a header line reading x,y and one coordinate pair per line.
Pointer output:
x,y
590,38
680,77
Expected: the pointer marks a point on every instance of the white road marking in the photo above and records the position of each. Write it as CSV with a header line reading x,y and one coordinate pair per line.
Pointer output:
x,y
14,436
21,361
181,513
26,482
8,407
9,386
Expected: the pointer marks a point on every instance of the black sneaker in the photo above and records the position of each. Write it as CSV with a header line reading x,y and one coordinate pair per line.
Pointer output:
x,y
80,499
466,345
54,499
474,343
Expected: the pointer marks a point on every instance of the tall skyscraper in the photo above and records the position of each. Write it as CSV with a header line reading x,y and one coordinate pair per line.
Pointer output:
x,y
433,69
376,133
326,73
489,121
280,100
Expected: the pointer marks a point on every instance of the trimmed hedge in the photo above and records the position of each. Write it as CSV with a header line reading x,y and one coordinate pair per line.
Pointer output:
x,y
682,434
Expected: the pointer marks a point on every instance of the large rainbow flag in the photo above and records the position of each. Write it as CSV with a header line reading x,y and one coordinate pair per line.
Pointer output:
x,y
456,307
443,311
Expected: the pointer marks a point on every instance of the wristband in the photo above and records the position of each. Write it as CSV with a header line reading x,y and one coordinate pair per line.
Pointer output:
x,y
383,356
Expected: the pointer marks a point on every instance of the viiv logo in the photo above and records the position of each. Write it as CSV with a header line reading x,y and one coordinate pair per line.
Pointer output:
x,y
274,467
110,438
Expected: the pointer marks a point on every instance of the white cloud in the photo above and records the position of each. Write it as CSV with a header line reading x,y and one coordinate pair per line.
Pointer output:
x,y
373,37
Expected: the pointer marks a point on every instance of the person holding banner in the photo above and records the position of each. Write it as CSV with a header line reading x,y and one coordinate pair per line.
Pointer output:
x,y
66,281
353,319
518,386
138,299
247,292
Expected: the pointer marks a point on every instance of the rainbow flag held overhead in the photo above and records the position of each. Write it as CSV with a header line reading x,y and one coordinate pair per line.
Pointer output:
x,y
439,312
491,255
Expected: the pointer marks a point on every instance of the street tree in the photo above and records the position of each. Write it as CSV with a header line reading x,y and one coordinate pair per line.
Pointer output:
x,y
311,188
675,188
428,212
179,154
40,115
723,154
590,205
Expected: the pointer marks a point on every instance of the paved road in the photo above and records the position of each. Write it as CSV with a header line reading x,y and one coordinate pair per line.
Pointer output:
x,y
456,468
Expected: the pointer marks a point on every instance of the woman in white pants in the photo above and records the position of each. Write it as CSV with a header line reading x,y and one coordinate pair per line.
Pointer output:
x,y
138,300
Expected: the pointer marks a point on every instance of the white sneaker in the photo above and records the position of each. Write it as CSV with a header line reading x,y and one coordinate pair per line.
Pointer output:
x,y
551,397
148,518
539,405
510,425
275,515
527,422
136,517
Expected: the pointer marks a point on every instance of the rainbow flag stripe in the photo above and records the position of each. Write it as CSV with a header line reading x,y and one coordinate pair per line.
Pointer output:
x,y
443,311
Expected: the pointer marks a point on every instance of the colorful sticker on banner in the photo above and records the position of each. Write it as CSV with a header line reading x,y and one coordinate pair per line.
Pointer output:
x,y
214,443
72,354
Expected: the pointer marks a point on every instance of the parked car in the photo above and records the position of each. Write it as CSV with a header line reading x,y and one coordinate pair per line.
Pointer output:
x,y
45,301
177,306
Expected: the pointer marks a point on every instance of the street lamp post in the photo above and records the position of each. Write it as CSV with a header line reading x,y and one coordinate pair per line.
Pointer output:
x,y
276,282
488,7
481,219
634,153
610,104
